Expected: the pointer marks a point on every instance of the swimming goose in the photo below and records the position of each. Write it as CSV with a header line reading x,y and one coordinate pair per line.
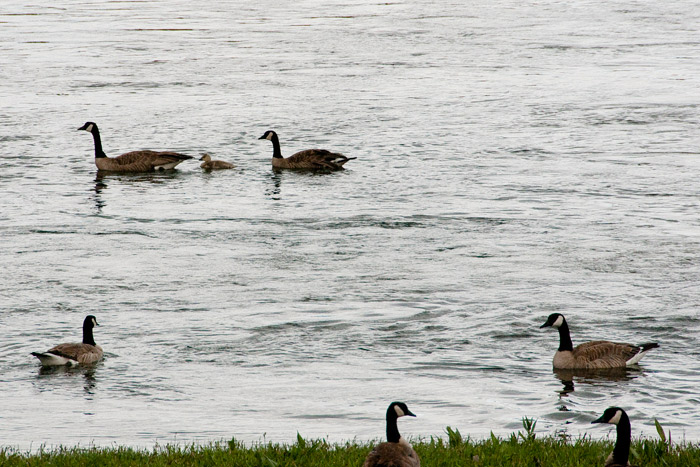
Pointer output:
x,y
209,164
73,354
312,159
135,161
620,455
396,451
594,354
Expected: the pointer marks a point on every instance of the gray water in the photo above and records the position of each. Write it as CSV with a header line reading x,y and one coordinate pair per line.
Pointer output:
x,y
513,159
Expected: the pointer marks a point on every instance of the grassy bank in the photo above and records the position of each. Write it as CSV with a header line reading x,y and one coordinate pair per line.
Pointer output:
x,y
517,450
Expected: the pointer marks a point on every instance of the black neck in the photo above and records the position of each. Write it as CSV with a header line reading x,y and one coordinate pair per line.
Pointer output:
x,y
98,142
87,334
392,431
565,337
621,452
276,151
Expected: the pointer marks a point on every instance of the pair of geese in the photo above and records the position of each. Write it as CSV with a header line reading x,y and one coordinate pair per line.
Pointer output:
x,y
147,161
396,451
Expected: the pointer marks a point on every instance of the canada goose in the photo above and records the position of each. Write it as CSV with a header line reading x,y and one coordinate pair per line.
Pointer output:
x,y
73,354
312,159
209,164
620,455
135,161
396,451
594,354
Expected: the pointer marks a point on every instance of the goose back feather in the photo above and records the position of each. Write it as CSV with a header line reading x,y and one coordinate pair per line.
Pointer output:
x,y
70,354
392,455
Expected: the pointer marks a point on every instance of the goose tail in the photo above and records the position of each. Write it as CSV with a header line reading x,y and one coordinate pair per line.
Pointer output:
x,y
643,349
649,346
49,359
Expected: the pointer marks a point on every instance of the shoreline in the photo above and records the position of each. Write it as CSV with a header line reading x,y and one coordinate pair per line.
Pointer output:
x,y
519,449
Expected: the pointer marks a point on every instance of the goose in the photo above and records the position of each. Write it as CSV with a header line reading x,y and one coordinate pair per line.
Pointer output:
x,y
396,451
620,455
594,354
135,161
76,353
209,164
311,159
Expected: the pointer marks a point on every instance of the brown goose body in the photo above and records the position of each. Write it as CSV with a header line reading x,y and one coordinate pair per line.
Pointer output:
x,y
312,159
309,159
596,355
83,353
209,164
392,455
592,355
141,161
134,161
396,451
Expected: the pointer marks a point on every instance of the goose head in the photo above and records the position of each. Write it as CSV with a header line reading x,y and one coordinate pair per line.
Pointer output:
x,y
89,126
555,320
90,322
269,135
400,409
612,415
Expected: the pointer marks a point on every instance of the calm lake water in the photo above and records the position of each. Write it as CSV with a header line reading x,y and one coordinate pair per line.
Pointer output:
x,y
513,159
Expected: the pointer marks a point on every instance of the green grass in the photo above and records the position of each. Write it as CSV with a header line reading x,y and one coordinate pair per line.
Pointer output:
x,y
519,450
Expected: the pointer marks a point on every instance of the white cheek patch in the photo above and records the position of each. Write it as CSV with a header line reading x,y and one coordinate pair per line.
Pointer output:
x,y
269,137
89,128
557,324
398,411
616,419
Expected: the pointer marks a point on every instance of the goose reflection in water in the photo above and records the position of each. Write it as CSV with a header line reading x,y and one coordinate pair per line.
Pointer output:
x,y
274,191
306,176
595,377
99,186
102,178
88,373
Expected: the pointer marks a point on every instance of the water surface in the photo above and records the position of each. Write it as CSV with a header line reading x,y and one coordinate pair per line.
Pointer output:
x,y
513,159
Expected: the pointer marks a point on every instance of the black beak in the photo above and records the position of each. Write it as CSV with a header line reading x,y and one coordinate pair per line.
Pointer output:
x,y
409,413
599,420
262,137
545,325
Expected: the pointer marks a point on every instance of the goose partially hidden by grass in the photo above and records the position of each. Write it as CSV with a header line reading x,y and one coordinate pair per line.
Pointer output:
x,y
135,161
620,455
396,451
594,354
309,159
209,164
83,353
